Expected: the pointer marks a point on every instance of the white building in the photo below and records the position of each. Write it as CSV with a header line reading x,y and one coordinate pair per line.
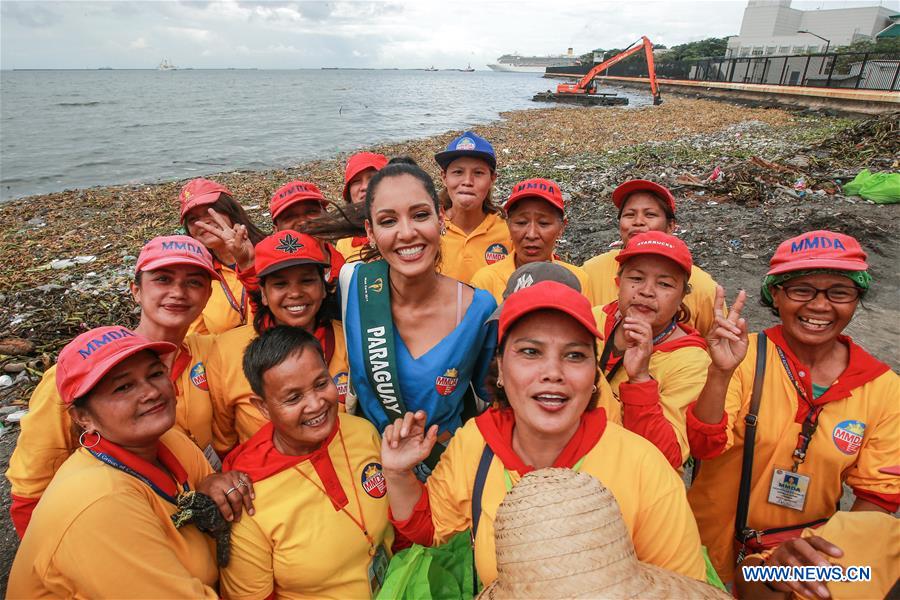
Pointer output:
x,y
770,28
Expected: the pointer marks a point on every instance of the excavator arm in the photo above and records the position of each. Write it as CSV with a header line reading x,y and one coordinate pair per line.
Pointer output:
x,y
586,84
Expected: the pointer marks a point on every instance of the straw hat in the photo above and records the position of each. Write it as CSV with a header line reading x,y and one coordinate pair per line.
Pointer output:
x,y
560,534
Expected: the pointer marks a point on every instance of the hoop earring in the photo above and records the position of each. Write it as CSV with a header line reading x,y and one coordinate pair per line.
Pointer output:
x,y
499,383
81,439
594,390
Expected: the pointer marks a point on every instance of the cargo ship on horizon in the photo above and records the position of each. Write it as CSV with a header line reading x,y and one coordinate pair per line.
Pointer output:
x,y
516,63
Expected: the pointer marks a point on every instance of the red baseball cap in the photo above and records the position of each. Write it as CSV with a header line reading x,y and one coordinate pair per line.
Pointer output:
x,y
293,192
169,250
358,163
818,250
198,192
621,193
89,357
544,189
285,249
546,295
660,243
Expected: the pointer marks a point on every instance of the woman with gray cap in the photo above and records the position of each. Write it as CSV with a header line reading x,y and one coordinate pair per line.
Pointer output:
x,y
475,233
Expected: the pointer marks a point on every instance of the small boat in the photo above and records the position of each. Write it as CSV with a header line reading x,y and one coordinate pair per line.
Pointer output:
x,y
165,65
431,68
468,69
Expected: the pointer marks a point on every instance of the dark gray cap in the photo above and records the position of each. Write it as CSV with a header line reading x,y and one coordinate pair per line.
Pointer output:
x,y
532,273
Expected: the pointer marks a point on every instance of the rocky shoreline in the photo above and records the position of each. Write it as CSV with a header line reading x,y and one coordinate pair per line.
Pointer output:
x,y
745,179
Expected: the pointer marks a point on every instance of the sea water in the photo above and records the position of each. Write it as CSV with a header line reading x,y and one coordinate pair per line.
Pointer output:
x,y
75,129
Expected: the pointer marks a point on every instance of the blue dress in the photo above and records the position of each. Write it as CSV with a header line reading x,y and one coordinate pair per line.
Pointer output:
x,y
436,381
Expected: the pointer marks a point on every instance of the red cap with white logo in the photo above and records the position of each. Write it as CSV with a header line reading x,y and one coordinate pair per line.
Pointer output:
x,y
661,244
285,249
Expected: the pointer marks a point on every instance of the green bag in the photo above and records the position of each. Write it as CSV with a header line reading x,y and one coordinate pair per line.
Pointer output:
x,y
420,573
712,578
882,188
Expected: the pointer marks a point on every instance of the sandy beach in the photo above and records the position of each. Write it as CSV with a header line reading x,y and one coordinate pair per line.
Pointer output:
x,y
781,173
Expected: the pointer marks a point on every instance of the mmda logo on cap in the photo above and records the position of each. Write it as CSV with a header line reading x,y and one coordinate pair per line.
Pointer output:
x,y
98,343
815,243
185,246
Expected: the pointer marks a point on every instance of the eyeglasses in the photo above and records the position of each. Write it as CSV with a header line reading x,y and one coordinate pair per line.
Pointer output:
x,y
839,294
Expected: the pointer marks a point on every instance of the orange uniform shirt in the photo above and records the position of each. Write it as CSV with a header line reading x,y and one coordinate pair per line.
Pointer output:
x,y
678,369
602,271
648,491
493,278
46,438
350,248
224,310
298,544
462,255
858,433
235,418
99,532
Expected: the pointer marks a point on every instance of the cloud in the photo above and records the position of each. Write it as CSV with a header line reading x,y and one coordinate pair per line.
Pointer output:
x,y
30,14
138,44
190,33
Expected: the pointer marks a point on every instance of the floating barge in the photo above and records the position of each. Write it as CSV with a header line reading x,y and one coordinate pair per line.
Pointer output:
x,y
600,99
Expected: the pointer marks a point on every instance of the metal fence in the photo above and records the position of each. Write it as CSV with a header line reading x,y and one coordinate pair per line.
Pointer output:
x,y
854,70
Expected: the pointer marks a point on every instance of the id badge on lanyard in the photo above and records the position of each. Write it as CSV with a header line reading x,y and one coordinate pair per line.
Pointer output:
x,y
378,567
788,487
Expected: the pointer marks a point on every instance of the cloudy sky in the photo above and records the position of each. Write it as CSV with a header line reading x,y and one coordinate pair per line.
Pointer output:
x,y
306,34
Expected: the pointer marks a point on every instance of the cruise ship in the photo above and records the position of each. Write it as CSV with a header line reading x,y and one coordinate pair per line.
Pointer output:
x,y
517,63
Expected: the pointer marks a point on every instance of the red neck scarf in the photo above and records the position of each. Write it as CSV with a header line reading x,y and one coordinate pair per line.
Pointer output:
x,y
127,461
862,368
496,425
259,458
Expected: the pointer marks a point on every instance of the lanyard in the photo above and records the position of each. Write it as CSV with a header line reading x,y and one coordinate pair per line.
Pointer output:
x,y
507,478
361,522
810,422
111,461
608,347
240,308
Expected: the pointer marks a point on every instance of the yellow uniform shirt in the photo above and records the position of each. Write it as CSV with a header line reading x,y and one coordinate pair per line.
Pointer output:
x,y
602,272
46,439
235,418
493,278
350,252
99,532
868,538
680,374
856,436
462,255
649,492
223,312
298,544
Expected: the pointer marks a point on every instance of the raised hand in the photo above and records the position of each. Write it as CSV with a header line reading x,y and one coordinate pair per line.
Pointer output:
x,y
234,237
405,442
638,337
727,339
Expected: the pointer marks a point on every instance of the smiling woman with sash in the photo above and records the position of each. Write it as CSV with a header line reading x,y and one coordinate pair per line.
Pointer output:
x,y
416,339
